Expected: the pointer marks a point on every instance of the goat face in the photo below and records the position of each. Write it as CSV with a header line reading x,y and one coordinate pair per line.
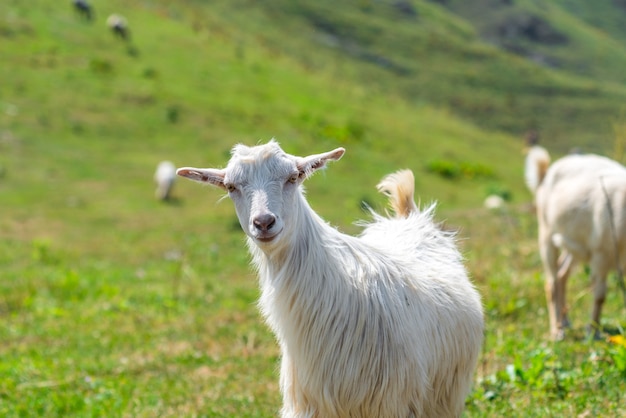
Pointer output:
x,y
264,184
264,193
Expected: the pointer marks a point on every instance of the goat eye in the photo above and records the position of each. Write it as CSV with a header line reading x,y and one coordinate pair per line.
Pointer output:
x,y
293,179
230,187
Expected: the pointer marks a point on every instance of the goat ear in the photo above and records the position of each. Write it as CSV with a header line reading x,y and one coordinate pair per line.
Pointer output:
x,y
212,176
312,163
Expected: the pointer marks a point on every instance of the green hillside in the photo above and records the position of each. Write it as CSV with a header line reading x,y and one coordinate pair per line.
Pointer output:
x,y
91,115
115,304
565,80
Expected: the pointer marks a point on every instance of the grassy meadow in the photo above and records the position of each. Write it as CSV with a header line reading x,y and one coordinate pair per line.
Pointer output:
x,y
113,304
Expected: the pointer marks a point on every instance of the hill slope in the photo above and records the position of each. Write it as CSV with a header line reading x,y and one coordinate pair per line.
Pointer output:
x,y
412,86
465,57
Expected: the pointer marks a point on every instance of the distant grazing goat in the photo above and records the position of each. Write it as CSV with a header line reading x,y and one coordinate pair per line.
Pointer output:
x,y
494,202
83,8
382,325
164,177
581,211
119,26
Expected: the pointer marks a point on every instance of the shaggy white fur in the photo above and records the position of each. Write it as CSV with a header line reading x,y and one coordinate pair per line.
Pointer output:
x,y
382,325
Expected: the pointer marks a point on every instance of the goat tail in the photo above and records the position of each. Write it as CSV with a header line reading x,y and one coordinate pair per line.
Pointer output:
x,y
536,166
400,188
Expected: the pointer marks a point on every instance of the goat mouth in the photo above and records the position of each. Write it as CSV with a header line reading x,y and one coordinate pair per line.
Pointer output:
x,y
267,238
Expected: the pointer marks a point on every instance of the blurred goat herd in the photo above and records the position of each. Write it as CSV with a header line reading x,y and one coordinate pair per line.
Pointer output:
x,y
115,22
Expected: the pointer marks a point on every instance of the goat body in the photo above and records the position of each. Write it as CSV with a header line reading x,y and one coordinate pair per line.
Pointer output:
x,y
581,212
382,325
83,8
164,177
119,25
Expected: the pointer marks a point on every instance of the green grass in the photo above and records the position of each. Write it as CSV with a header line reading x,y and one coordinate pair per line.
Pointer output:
x,y
113,304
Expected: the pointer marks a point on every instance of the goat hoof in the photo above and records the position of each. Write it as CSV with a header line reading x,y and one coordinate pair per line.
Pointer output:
x,y
593,333
566,323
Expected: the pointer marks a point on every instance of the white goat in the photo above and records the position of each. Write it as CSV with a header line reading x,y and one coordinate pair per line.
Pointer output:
x,y
164,177
384,325
119,26
581,212
494,202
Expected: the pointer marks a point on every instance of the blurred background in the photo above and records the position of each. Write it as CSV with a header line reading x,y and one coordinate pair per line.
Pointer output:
x,y
119,300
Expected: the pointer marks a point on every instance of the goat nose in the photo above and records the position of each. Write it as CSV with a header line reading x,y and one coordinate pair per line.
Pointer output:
x,y
264,222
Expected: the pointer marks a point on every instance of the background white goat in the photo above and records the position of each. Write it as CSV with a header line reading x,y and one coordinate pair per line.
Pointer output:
x,y
384,325
581,212
119,26
164,177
